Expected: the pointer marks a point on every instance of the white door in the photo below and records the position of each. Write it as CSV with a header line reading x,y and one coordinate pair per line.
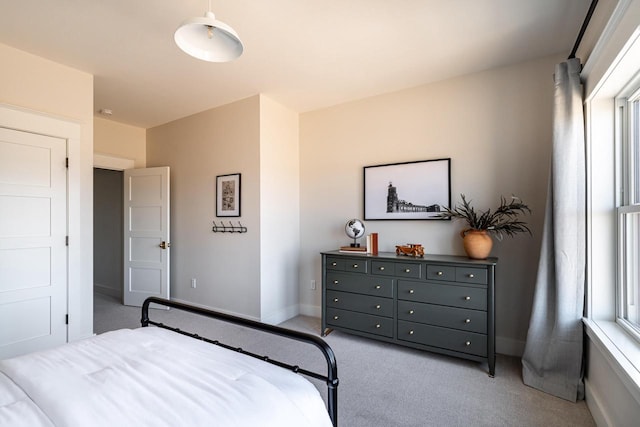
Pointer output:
x,y
146,234
33,252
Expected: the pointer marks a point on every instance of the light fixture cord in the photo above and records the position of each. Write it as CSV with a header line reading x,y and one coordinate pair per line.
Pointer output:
x,y
209,29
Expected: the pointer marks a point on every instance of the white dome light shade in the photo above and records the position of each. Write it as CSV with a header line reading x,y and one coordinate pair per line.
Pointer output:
x,y
208,39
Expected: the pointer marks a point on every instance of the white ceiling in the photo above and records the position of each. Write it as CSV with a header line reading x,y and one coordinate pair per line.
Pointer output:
x,y
305,54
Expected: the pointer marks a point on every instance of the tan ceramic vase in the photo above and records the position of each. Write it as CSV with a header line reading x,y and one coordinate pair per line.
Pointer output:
x,y
477,243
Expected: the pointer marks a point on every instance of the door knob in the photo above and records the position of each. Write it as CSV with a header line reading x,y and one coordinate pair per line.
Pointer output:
x,y
164,245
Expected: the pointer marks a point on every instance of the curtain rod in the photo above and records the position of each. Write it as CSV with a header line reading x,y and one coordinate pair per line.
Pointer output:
x,y
585,24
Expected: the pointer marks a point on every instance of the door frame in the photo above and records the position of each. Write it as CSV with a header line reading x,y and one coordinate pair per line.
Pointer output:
x,y
114,163
110,162
18,118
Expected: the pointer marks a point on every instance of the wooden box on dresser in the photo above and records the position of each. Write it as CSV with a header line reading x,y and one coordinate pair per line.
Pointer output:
x,y
438,303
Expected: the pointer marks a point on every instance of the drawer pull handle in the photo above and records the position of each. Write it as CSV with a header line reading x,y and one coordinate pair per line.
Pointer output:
x,y
336,317
411,332
355,265
334,264
468,343
411,311
408,270
467,298
378,286
335,300
335,282
410,291
471,276
378,307
467,320
381,269
439,273
377,325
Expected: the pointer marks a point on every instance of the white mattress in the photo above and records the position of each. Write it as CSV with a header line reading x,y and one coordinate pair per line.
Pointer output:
x,y
154,377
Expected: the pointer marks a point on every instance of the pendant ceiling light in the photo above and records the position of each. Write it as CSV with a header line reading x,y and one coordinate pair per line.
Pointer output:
x,y
208,39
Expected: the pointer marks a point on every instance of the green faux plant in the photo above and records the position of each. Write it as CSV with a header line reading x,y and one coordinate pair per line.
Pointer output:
x,y
503,220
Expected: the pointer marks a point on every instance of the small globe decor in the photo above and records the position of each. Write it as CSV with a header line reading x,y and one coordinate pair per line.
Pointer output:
x,y
354,228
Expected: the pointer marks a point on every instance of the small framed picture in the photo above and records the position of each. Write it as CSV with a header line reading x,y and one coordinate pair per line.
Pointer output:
x,y
228,195
410,190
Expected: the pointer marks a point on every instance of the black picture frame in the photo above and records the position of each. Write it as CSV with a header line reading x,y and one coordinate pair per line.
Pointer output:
x,y
228,195
414,190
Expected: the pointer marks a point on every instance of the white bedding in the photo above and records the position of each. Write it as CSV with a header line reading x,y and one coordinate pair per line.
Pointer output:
x,y
153,377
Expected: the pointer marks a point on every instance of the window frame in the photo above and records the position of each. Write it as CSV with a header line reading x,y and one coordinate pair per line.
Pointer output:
x,y
607,71
627,195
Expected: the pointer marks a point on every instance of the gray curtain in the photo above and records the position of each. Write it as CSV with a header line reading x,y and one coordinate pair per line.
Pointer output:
x,y
552,360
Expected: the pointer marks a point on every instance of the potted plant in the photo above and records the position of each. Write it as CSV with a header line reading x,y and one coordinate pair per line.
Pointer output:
x,y
504,220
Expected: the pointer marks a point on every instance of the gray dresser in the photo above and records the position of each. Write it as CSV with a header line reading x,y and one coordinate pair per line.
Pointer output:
x,y
439,303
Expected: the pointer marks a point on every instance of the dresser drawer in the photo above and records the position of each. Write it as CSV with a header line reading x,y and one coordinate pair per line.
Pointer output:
x,y
471,275
359,321
356,265
336,264
409,270
353,265
361,284
383,268
450,339
441,294
439,315
361,303
441,272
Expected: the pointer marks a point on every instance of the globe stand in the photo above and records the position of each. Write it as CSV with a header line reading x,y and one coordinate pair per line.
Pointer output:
x,y
354,228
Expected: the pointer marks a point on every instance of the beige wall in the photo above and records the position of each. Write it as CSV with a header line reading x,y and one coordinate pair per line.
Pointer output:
x,y
38,84
197,148
253,274
496,128
120,140
279,211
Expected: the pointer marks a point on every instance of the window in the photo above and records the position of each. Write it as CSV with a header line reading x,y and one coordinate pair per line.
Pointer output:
x,y
628,289
613,217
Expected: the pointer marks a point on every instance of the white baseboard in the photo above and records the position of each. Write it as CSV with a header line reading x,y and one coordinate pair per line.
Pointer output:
x,y
272,319
219,310
506,346
281,315
107,290
310,310
594,403
509,346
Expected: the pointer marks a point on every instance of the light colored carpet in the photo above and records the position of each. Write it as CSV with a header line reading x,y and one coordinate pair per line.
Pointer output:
x,y
384,385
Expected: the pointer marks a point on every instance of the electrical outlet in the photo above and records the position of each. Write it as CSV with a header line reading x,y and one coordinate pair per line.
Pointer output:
x,y
313,285
193,283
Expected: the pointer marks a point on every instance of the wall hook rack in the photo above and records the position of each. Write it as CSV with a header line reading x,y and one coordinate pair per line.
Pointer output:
x,y
228,228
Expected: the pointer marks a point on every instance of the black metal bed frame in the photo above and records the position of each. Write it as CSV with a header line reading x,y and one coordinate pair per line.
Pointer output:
x,y
331,378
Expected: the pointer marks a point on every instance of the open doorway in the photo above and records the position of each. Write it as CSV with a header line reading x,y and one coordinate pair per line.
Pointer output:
x,y
108,240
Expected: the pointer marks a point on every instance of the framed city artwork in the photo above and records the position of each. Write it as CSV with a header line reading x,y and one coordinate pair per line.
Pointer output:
x,y
409,190
228,195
